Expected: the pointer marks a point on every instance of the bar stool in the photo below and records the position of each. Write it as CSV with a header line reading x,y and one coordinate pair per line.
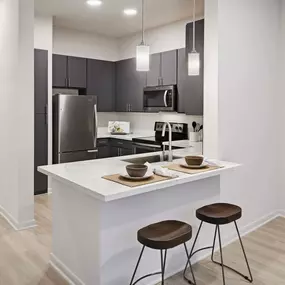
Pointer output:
x,y
163,236
219,214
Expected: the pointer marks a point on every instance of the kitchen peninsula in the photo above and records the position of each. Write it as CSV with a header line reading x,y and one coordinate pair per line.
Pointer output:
x,y
95,221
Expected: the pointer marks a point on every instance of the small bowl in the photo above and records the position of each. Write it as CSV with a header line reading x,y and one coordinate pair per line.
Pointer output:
x,y
194,160
136,170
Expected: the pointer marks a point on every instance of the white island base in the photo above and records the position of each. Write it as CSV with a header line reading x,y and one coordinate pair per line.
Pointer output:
x,y
95,221
94,242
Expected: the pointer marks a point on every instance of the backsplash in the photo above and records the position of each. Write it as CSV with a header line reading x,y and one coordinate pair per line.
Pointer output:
x,y
145,121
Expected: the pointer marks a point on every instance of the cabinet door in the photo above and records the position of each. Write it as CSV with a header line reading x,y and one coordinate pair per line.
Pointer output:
x,y
41,80
59,70
114,151
101,83
76,72
129,86
40,153
169,67
126,151
103,152
191,88
154,74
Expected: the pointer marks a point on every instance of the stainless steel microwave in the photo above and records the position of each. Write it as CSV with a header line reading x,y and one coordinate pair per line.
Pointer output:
x,y
160,99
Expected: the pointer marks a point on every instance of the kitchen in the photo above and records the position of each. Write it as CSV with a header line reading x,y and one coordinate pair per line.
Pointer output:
x,y
91,214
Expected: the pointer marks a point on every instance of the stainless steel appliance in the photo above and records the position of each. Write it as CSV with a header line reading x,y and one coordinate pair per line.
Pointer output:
x,y
160,98
153,144
74,128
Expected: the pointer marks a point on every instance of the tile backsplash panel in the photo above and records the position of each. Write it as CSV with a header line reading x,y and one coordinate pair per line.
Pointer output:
x,y
145,121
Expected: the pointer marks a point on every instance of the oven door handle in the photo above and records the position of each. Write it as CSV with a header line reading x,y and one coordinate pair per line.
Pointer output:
x,y
164,98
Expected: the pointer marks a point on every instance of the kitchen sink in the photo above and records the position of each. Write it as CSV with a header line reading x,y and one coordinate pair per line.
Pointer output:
x,y
149,159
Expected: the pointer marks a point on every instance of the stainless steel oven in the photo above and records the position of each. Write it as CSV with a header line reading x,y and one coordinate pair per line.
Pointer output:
x,y
160,98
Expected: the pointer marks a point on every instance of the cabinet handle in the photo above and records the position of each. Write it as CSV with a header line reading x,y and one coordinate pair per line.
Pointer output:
x,y
130,107
46,114
127,108
68,82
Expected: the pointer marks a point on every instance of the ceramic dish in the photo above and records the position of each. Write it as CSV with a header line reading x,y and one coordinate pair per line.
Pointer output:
x,y
145,177
203,165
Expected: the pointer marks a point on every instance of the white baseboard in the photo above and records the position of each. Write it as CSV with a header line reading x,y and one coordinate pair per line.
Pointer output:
x,y
59,266
74,280
16,225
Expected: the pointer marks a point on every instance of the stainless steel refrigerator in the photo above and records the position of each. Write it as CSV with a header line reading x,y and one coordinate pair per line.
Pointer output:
x,y
74,128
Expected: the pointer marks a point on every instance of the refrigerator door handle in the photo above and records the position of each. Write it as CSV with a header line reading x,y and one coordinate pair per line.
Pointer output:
x,y
95,125
92,150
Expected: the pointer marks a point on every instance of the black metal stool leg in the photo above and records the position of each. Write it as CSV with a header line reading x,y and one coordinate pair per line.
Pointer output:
x,y
189,256
134,274
243,250
221,252
190,266
163,265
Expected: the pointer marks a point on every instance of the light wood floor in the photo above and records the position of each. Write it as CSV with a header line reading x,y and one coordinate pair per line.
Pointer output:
x,y
24,255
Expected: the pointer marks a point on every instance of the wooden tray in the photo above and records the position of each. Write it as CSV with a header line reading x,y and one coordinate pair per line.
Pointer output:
x,y
179,168
121,180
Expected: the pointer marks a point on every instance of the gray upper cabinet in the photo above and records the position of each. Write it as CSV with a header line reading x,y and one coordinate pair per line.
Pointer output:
x,y
59,70
101,83
76,72
190,88
129,86
154,74
169,67
40,82
68,71
163,69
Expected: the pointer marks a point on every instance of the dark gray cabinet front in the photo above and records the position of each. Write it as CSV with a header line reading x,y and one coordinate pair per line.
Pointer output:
x,y
40,116
101,83
59,70
163,69
169,67
154,73
40,153
68,71
76,72
191,88
40,80
129,86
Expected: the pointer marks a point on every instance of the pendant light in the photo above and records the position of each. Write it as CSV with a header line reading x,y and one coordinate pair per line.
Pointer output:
x,y
143,49
194,56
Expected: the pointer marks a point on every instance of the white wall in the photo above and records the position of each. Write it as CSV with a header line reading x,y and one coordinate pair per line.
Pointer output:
x,y
16,112
77,43
248,102
165,38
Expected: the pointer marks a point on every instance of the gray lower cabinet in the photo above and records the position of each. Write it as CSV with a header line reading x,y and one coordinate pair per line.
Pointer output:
x,y
129,86
191,88
40,153
103,148
101,83
121,147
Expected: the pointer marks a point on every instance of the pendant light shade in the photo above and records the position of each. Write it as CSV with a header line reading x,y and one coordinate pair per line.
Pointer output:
x,y
142,58
194,56
193,63
143,52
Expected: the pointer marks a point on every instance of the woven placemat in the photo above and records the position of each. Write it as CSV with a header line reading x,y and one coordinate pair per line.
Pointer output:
x,y
117,178
179,168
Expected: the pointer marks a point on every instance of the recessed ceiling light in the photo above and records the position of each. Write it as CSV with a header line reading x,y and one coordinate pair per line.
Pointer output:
x,y
94,2
130,12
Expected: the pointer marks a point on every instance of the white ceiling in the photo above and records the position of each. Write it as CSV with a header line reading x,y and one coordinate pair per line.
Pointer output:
x,y
109,20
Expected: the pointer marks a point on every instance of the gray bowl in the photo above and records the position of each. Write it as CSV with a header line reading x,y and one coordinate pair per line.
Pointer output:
x,y
136,170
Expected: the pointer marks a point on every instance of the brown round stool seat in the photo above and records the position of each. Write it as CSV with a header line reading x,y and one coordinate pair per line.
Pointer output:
x,y
165,234
219,214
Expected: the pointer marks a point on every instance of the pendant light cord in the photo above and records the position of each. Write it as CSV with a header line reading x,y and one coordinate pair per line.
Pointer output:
x,y
142,22
194,26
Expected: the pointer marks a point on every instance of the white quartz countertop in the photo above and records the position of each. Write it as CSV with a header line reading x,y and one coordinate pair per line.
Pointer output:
x,y
128,137
87,176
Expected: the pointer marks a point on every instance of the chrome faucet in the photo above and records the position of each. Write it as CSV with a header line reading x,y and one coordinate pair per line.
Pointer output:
x,y
170,156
